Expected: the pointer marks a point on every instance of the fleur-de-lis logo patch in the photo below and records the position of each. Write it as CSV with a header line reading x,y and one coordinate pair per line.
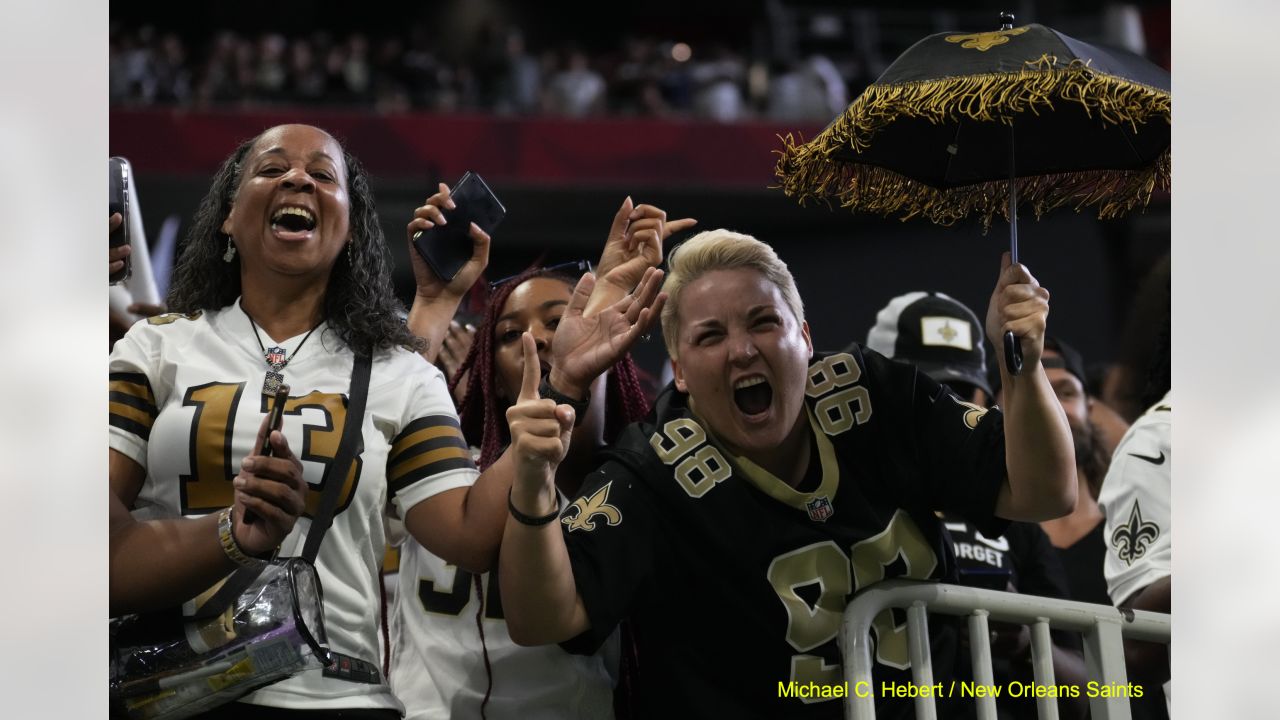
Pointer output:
x,y
588,508
983,42
1132,539
973,414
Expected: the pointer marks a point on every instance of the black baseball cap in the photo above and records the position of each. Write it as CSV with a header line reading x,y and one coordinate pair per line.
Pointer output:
x,y
936,333
1071,361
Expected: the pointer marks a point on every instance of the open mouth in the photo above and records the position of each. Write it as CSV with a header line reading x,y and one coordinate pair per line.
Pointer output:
x,y
293,221
753,395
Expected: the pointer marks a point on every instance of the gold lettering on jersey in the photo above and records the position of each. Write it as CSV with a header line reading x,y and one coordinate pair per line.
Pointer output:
x,y
837,412
822,564
320,443
836,576
208,487
684,436
589,507
900,538
829,373
166,318
699,466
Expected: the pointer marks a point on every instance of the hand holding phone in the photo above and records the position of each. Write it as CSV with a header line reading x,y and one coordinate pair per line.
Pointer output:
x,y
447,248
275,420
118,202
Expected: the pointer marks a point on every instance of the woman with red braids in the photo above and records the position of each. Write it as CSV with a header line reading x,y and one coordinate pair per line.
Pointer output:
x,y
451,653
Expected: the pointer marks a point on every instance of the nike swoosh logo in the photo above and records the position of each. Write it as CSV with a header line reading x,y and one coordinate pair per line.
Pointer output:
x,y
1158,460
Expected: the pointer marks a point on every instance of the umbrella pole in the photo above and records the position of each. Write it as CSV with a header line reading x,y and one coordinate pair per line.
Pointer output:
x,y
1012,348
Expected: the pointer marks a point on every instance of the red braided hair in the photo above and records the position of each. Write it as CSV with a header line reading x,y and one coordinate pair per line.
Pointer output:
x,y
483,413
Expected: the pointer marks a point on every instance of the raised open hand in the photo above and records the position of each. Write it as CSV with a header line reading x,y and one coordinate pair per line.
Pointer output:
x,y
584,347
634,244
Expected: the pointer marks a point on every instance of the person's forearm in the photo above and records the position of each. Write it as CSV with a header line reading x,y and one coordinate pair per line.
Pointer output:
x,y
1069,669
429,319
1149,662
1039,454
539,596
156,564
464,526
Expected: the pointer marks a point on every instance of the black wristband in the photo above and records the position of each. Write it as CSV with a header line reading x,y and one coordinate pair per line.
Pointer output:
x,y
579,406
529,519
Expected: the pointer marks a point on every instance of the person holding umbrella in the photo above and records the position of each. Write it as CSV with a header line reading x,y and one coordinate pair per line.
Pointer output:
x,y
768,486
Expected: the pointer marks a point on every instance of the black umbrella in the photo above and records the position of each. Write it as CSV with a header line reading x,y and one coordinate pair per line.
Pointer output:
x,y
964,124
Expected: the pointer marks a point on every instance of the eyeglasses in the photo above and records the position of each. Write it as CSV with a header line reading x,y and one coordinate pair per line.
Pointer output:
x,y
573,268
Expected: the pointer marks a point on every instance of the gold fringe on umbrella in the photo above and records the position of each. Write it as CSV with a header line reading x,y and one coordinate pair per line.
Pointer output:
x,y
808,170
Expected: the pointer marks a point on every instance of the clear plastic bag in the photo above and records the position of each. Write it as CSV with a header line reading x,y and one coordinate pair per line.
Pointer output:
x,y
165,668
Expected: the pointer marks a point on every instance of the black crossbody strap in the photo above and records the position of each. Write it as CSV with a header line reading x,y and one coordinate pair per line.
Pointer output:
x,y
350,445
334,475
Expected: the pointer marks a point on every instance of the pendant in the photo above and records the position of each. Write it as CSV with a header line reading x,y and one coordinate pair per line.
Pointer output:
x,y
272,382
275,357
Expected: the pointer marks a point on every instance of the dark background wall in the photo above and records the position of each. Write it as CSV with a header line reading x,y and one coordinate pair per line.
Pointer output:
x,y
561,180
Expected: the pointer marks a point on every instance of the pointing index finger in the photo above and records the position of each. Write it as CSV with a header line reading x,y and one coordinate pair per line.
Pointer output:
x,y
532,368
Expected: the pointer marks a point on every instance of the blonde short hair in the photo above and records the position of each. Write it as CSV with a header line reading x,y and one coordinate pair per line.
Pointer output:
x,y
721,250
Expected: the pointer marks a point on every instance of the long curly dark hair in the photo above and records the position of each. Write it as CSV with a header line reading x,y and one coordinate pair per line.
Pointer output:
x,y
359,303
483,414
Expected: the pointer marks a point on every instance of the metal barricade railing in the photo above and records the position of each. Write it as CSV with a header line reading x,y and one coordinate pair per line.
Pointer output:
x,y
1103,628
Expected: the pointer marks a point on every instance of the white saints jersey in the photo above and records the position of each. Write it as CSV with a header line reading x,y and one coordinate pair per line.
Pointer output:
x,y
1135,499
186,404
437,662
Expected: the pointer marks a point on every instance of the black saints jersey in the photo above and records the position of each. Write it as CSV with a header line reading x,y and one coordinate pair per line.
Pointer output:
x,y
736,582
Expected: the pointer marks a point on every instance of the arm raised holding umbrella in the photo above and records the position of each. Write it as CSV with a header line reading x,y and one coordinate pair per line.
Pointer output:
x,y
1040,458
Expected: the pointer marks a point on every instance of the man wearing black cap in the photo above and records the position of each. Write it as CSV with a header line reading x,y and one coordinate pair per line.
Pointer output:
x,y
1078,536
940,336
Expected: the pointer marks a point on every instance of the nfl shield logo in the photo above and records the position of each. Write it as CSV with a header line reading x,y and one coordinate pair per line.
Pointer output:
x,y
820,509
275,356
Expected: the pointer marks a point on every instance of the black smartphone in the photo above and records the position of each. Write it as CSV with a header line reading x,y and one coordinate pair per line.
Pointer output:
x,y
446,248
118,202
275,420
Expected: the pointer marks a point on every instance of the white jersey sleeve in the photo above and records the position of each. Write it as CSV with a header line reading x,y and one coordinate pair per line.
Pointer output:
x,y
428,452
133,381
1135,498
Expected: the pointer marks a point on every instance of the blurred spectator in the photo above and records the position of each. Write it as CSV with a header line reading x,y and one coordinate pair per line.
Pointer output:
x,y
307,81
172,77
271,74
633,86
799,93
718,85
356,69
576,90
520,85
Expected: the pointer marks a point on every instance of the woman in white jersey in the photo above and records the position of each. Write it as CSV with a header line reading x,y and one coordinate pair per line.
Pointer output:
x,y
451,653
285,272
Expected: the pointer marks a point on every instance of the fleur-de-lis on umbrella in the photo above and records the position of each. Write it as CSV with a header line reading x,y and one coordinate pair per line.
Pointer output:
x,y
983,42
1132,539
